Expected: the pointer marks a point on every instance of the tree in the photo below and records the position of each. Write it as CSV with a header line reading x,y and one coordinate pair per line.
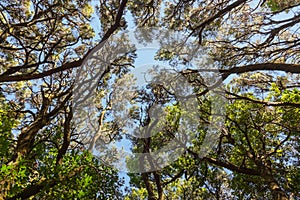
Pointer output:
x,y
42,155
44,43
256,156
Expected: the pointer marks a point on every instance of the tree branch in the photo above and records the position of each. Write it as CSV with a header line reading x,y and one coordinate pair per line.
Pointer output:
x,y
36,188
225,73
73,64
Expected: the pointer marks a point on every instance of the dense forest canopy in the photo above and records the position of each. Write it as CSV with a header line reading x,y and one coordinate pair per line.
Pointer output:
x,y
58,56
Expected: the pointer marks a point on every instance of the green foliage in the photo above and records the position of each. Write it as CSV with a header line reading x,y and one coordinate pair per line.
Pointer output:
x,y
92,181
80,176
256,137
277,5
8,121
